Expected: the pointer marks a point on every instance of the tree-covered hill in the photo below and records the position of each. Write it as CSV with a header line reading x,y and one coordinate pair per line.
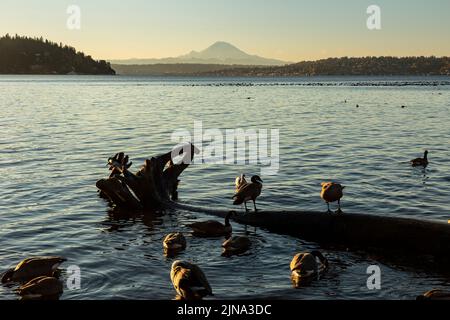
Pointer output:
x,y
377,66
23,55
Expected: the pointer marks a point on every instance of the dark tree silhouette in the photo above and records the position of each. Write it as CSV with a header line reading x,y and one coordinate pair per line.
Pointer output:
x,y
23,55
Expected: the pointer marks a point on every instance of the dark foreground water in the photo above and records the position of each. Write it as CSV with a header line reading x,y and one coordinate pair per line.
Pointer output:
x,y
57,132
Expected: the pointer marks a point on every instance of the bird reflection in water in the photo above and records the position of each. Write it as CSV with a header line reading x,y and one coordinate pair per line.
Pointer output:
x,y
119,219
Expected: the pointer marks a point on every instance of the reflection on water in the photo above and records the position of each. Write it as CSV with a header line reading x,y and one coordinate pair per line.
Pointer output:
x,y
58,131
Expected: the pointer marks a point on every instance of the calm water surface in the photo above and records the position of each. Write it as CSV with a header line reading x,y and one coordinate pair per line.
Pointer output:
x,y
57,132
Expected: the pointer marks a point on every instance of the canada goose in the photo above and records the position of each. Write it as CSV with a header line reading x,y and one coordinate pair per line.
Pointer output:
x,y
212,228
435,295
41,287
421,162
174,241
332,192
236,245
304,267
250,191
31,268
240,182
189,281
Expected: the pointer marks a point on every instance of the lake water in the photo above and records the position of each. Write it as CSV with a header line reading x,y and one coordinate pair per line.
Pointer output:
x,y
57,132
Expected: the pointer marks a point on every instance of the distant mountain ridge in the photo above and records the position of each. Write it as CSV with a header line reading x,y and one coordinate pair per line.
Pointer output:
x,y
347,66
365,66
220,53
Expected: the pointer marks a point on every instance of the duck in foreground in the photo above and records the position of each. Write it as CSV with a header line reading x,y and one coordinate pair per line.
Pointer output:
x,y
189,281
305,268
236,245
332,192
249,191
212,228
33,267
435,295
421,162
41,288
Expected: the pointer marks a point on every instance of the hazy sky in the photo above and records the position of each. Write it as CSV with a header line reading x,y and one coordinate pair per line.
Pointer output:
x,y
292,30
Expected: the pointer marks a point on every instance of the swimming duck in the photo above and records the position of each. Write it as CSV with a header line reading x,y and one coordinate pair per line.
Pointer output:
x,y
421,162
212,228
189,281
236,245
174,241
435,295
250,191
240,182
304,267
332,192
33,267
41,287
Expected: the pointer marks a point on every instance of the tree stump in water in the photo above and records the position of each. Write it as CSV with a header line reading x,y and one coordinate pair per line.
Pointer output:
x,y
152,186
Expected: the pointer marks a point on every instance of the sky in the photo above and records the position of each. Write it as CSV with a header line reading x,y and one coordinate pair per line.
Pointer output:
x,y
290,30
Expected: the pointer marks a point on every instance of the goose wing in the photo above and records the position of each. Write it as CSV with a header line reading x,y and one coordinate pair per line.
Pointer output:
x,y
236,243
304,264
188,279
247,192
240,182
200,279
38,266
44,286
207,226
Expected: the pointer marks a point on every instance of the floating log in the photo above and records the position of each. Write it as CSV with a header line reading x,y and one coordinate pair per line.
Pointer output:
x,y
371,233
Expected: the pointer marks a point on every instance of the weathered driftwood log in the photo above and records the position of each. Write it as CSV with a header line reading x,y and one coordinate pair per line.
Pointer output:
x,y
152,186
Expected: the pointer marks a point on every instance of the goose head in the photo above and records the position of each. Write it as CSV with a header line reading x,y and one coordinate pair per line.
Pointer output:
x,y
257,179
8,276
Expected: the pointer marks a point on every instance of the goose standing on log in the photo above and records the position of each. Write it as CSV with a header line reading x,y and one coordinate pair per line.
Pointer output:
x,y
189,281
332,192
212,228
304,267
421,162
250,191
31,268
